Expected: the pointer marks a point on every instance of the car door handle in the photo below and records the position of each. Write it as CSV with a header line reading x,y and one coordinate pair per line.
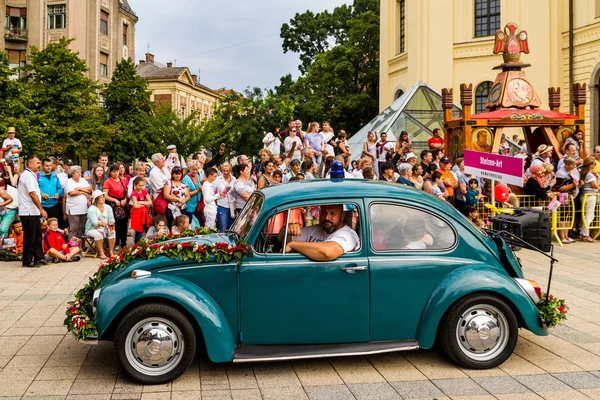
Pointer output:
x,y
354,269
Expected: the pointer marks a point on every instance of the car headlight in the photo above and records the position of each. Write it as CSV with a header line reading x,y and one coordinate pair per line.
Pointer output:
x,y
95,300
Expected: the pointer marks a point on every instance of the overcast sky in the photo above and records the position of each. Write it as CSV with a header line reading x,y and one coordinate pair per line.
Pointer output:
x,y
192,32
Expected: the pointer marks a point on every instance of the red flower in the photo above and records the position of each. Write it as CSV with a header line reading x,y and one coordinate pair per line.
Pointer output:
x,y
562,309
550,297
155,246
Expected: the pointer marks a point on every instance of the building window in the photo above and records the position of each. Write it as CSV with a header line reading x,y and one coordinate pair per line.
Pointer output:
x,y
481,94
16,20
103,64
57,16
402,38
125,35
16,59
104,23
487,17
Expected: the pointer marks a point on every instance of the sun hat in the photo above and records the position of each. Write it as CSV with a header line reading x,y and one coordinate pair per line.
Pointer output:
x,y
12,130
171,147
411,155
97,193
543,149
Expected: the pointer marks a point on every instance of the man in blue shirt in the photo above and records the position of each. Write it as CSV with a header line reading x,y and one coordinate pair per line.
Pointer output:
x,y
52,191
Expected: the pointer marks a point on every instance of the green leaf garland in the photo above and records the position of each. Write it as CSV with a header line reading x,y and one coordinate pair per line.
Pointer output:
x,y
78,315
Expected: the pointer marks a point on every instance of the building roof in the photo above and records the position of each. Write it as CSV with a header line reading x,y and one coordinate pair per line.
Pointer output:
x,y
150,70
124,4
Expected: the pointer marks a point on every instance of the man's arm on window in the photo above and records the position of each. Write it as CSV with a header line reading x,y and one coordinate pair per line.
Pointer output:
x,y
317,251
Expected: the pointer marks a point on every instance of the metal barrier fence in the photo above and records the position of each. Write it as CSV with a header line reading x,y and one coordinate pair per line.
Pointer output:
x,y
563,215
594,220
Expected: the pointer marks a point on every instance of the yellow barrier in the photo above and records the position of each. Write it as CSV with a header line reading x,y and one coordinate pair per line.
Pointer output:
x,y
563,217
595,222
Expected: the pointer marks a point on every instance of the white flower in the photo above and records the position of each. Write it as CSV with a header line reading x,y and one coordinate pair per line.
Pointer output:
x,y
179,247
196,246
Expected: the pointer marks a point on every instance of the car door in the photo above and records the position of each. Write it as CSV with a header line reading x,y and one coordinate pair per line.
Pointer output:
x,y
404,268
290,299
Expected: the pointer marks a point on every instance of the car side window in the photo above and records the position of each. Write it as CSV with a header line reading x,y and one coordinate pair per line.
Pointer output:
x,y
400,228
271,241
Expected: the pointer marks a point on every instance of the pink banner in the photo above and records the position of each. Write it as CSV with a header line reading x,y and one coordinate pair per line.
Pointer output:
x,y
494,166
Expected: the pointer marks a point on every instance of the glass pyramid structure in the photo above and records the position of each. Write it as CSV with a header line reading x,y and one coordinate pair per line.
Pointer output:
x,y
418,111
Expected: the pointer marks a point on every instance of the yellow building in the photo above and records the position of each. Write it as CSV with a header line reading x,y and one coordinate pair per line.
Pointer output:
x,y
178,87
103,30
448,42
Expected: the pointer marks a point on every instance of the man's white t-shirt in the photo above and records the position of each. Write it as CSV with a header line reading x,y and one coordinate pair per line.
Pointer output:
x,y
158,179
28,183
174,160
9,145
344,236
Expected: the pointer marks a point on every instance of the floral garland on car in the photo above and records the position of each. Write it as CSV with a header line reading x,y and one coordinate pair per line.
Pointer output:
x,y
552,310
77,315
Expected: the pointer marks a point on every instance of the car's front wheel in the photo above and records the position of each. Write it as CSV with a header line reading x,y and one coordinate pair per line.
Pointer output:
x,y
479,331
155,343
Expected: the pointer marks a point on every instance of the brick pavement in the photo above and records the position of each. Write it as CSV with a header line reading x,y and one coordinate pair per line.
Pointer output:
x,y
39,360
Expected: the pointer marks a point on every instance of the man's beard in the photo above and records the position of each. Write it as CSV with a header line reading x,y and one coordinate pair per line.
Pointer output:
x,y
328,227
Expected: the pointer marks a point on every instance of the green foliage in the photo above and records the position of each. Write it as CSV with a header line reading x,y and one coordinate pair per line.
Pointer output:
x,y
130,111
65,111
243,119
553,311
339,52
169,128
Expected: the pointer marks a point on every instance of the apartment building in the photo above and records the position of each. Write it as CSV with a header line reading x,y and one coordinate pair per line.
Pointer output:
x,y
179,88
449,42
104,30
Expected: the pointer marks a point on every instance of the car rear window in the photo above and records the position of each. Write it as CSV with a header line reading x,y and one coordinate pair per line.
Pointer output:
x,y
396,227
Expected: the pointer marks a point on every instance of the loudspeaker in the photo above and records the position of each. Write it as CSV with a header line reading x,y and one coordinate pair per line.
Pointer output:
x,y
531,226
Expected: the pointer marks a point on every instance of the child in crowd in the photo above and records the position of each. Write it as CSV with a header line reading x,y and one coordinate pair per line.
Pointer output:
x,y
473,195
55,247
17,234
210,195
182,224
473,216
140,215
158,228
308,166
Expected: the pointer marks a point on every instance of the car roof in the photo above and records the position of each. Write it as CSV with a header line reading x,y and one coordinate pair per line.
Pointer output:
x,y
315,189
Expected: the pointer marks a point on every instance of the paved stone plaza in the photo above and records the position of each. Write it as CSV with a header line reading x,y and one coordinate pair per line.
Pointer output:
x,y
38,359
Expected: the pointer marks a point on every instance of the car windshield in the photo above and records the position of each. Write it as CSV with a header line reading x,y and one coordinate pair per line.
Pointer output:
x,y
247,217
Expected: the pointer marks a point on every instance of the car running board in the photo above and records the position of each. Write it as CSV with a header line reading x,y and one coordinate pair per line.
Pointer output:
x,y
251,353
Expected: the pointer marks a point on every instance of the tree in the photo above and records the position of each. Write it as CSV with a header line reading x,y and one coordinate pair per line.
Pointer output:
x,y
167,127
15,107
242,119
340,83
65,110
130,111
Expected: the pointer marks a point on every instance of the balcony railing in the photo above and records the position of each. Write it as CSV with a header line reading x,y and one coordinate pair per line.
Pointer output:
x,y
15,34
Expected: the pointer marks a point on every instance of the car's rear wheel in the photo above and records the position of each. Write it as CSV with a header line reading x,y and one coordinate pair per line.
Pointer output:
x,y
155,343
479,331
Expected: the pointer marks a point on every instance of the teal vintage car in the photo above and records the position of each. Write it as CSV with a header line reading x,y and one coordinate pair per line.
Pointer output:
x,y
421,273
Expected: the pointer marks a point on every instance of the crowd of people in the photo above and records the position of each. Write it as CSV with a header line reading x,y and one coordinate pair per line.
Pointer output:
x,y
51,209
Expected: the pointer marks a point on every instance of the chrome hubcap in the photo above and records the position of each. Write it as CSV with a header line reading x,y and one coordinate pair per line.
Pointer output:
x,y
482,332
154,346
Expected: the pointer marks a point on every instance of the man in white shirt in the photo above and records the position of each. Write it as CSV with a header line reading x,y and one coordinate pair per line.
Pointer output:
x,y
30,210
324,242
175,160
12,146
159,175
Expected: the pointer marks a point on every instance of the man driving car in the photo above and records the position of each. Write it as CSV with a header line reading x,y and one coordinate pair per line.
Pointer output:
x,y
324,242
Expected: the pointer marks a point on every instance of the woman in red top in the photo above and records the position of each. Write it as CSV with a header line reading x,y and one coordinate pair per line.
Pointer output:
x,y
115,191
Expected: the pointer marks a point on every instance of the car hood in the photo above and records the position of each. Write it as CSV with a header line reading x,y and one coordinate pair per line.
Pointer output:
x,y
162,261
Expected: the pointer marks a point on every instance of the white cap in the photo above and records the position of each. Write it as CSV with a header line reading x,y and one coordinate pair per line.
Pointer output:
x,y
97,193
171,147
411,155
